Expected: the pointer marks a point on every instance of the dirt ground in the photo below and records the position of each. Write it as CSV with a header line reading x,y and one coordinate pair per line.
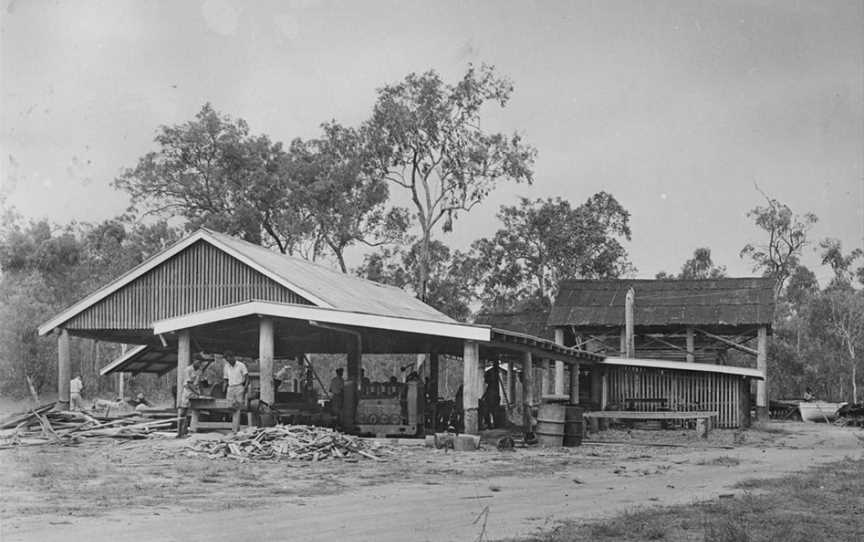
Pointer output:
x,y
154,490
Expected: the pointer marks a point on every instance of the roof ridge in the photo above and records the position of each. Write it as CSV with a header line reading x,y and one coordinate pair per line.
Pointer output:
x,y
299,259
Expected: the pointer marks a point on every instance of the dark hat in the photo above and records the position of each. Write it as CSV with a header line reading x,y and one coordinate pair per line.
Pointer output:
x,y
339,370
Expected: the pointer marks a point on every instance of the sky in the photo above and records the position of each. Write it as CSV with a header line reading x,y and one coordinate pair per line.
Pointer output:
x,y
679,109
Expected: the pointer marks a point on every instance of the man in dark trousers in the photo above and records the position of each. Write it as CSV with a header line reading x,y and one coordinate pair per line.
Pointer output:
x,y
491,397
337,394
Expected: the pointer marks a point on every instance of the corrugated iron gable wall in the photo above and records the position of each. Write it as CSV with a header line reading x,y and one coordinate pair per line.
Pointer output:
x,y
199,278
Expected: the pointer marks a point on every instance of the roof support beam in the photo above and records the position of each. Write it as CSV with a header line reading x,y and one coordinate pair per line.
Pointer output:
x,y
727,342
539,352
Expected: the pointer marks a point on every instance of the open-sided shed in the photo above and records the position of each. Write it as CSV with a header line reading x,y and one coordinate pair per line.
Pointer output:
x,y
690,321
212,292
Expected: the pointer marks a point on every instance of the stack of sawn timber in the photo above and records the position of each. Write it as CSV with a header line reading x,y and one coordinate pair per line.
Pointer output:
x,y
300,442
45,426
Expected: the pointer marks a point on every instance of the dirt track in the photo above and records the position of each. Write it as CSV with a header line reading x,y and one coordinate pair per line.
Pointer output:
x,y
437,497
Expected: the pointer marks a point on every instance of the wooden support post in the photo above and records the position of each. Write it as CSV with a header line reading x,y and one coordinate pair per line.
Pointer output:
x,y
184,357
623,348
351,391
266,342
433,387
762,366
527,389
511,382
434,364
574,384
545,376
630,343
64,369
596,385
691,346
559,365
604,390
121,376
472,386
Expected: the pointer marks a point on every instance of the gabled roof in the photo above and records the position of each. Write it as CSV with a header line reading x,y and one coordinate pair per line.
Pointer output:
x,y
321,286
665,302
334,289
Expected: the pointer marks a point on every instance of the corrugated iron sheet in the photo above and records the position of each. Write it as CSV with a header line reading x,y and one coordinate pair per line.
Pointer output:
x,y
342,291
528,322
199,278
732,301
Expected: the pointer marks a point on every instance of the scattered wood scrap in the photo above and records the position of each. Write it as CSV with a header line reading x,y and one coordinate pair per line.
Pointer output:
x,y
41,426
295,442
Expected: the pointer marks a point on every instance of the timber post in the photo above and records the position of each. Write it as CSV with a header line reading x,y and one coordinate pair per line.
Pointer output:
x,y
574,384
351,393
559,365
762,365
472,384
184,356
544,378
527,389
64,369
691,347
432,392
629,340
265,360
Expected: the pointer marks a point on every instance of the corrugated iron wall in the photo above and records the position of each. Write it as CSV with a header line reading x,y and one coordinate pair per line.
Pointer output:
x,y
199,278
693,391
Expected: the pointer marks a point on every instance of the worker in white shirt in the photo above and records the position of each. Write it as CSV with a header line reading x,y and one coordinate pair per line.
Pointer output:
x,y
75,388
235,380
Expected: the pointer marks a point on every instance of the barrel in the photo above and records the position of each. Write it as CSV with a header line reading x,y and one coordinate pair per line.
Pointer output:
x,y
550,424
574,425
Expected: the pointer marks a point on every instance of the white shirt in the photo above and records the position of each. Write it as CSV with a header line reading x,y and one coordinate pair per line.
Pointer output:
x,y
236,374
75,385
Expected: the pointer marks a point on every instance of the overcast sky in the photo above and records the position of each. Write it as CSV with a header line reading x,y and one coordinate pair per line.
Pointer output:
x,y
676,108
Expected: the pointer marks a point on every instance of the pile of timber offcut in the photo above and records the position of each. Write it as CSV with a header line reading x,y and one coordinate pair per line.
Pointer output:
x,y
300,442
45,426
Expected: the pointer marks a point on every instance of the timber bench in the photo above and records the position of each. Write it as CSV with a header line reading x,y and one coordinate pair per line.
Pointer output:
x,y
704,420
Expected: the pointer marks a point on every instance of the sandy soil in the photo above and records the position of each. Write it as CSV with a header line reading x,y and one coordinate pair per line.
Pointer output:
x,y
152,490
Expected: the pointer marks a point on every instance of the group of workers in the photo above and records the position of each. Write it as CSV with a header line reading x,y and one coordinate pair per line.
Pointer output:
x,y
235,385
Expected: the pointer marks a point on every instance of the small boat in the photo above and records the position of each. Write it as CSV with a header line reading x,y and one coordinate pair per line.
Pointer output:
x,y
818,411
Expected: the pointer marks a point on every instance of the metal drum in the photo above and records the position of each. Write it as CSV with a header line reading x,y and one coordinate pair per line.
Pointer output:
x,y
550,424
574,425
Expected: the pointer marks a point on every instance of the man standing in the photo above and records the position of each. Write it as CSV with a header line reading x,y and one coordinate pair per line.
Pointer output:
x,y
235,379
491,397
191,388
75,388
337,393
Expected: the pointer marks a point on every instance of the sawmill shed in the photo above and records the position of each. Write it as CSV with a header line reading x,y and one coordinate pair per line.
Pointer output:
x,y
211,292
676,356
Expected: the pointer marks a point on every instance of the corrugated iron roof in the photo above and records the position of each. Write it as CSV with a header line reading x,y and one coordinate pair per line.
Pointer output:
x,y
663,302
528,322
342,291
319,285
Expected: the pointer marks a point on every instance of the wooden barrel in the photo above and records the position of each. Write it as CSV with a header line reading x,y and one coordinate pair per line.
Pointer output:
x,y
550,424
574,425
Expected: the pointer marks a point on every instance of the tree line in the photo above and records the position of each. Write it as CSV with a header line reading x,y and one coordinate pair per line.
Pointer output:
x,y
320,197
